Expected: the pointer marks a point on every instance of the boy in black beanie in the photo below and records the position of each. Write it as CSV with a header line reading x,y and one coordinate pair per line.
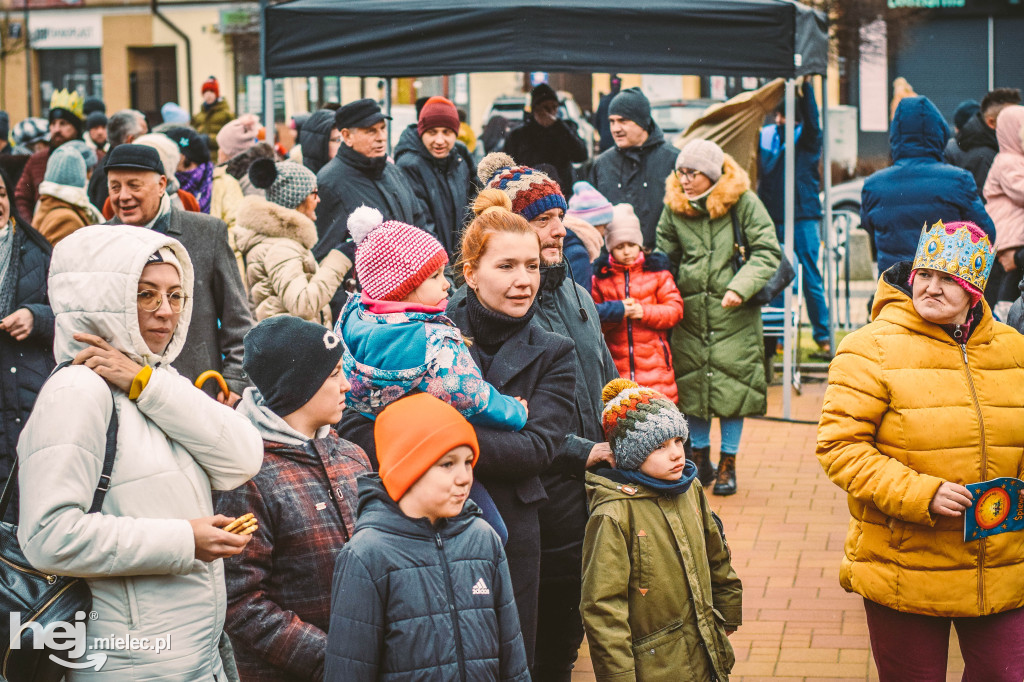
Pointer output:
x,y
303,499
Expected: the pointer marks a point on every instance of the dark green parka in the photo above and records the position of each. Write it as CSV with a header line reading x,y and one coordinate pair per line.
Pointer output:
x,y
659,590
718,353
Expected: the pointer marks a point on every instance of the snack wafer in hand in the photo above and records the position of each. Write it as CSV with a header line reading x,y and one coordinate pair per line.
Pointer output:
x,y
250,530
235,525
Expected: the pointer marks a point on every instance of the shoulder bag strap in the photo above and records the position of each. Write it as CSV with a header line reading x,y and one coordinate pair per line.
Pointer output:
x,y
739,244
108,463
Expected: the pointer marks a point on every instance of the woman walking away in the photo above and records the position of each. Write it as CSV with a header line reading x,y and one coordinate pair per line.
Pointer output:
x,y
717,349
920,402
151,556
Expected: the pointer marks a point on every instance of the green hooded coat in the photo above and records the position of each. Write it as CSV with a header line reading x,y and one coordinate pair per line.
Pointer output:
x,y
718,353
659,590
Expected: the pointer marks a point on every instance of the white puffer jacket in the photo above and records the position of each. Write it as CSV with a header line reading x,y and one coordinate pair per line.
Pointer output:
x,y
173,445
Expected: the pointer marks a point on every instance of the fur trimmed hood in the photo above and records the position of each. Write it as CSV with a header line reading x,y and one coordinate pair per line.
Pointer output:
x,y
263,217
724,194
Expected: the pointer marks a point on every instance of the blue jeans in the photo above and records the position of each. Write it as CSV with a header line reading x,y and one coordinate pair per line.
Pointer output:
x,y
807,248
732,430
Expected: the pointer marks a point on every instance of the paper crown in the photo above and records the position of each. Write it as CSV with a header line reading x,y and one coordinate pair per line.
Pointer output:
x,y
960,249
69,101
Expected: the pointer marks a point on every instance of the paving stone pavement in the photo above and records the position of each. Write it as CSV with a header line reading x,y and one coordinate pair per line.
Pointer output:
x,y
786,528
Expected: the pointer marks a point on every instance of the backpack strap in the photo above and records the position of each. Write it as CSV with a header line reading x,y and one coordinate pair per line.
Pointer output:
x,y
108,462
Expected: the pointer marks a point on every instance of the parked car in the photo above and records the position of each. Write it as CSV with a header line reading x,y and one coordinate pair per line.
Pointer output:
x,y
512,108
675,116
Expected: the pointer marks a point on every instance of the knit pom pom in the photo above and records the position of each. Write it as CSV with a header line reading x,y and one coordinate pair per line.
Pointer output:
x,y
491,198
363,221
262,173
615,387
491,164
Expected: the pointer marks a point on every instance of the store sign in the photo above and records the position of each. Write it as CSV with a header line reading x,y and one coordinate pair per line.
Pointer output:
x,y
66,30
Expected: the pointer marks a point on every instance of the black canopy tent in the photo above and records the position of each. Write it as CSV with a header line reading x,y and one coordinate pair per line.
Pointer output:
x,y
770,38
393,38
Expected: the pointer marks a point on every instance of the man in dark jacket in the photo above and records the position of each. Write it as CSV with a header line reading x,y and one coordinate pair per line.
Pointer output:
x,y
634,172
360,174
220,309
122,128
975,145
545,138
807,205
919,187
66,122
319,139
438,174
566,309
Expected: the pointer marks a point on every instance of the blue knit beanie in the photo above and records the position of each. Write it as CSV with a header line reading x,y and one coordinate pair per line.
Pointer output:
x,y
66,167
590,205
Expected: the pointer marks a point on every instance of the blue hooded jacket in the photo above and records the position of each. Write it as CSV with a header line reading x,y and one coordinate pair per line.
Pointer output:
x,y
772,182
919,187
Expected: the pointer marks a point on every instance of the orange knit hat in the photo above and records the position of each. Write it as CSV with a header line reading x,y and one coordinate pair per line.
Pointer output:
x,y
412,433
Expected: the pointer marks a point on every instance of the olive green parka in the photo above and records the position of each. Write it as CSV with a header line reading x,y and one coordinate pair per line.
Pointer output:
x,y
659,590
718,353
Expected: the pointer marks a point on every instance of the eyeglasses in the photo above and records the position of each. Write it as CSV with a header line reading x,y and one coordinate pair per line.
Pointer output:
x,y
150,300
687,174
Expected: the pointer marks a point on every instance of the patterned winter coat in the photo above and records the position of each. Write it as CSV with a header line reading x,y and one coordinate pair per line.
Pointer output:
x,y
392,349
279,588
640,347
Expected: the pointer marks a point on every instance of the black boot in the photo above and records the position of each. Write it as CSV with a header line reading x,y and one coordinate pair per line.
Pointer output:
x,y
725,484
705,469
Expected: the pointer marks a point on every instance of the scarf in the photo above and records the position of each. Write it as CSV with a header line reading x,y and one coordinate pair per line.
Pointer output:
x,y
10,266
199,183
552,276
76,196
372,168
658,485
492,329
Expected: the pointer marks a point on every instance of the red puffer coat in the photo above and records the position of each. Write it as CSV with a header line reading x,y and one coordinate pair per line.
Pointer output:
x,y
641,345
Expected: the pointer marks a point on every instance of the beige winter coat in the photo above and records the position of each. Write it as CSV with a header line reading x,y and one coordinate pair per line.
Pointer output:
x,y
282,274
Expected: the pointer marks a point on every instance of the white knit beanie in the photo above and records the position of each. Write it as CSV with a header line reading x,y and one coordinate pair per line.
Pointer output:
x,y
704,156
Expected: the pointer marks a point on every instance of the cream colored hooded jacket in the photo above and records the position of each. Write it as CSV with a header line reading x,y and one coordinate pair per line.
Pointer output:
x,y
173,445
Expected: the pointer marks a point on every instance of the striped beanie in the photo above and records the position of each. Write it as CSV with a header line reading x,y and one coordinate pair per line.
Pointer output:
x,y
531,191
392,258
590,205
637,420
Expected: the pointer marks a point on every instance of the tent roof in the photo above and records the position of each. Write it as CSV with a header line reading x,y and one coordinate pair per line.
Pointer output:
x,y
770,38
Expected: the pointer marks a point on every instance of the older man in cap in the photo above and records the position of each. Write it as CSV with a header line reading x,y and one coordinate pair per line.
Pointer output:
x,y
635,169
220,311
361,174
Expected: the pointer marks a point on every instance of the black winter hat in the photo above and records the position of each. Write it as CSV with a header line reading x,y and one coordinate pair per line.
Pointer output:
x,y
632,104
93,104
95,120
542,93
362,113
191,144
134,157
289,359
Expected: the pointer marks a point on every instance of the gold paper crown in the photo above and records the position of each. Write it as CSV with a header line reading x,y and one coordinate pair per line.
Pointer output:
x,y
69,101
959,248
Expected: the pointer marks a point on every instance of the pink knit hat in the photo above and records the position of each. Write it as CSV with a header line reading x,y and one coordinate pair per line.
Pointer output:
x,y
238,135
392,258
623,228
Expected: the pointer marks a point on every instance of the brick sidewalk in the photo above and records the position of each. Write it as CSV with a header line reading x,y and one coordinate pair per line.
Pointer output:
x,y
786,527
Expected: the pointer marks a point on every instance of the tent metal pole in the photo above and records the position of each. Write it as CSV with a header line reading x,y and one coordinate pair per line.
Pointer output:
x,y
790,167
268,83
387,108
831,266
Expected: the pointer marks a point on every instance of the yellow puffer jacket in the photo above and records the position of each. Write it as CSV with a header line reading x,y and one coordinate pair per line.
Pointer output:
x,y
907,408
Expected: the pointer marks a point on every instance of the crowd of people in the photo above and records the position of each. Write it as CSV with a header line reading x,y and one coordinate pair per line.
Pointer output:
x,y
467,403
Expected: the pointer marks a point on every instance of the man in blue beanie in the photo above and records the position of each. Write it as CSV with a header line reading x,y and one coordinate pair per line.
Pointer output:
x,y
634,170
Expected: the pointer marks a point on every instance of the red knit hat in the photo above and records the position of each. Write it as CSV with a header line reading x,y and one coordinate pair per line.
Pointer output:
x,y
412,433
210,85
392,258
438,112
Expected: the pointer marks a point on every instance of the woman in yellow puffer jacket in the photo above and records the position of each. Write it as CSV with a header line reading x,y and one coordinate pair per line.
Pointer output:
x,y
927,398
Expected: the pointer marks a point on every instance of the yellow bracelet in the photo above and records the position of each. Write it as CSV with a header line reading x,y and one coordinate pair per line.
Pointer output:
x,y
139,382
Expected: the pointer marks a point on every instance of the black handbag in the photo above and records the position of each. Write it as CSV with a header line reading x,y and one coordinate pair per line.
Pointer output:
x,y
783,277
40,597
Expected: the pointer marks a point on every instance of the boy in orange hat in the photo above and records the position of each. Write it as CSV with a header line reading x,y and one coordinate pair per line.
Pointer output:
x,y
423,586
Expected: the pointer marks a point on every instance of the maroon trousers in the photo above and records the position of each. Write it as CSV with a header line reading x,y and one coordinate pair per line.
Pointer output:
x,y
909,647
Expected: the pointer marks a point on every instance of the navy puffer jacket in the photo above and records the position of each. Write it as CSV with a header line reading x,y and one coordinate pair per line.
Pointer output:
x,y
24,365
412,601
919,187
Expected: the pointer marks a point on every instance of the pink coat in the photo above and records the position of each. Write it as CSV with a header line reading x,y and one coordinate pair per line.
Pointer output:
x,y
1004,188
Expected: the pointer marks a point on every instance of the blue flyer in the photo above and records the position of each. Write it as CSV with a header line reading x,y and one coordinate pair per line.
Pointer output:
x,y
998,508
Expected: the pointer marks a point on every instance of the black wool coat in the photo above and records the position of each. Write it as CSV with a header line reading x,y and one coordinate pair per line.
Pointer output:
x,y
538,366
24,365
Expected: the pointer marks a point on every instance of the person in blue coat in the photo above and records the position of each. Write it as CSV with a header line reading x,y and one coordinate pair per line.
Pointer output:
x,y
807,205
919,187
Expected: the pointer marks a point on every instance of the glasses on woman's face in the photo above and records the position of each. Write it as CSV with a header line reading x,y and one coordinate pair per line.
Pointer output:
x,y
687,174
150,300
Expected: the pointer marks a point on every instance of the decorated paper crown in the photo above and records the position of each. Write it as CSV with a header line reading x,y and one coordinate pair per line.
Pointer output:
x,y
960,249
66,101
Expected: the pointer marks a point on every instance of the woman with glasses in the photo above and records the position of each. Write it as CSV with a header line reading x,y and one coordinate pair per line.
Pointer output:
x,y
275,236
717,348
121,297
